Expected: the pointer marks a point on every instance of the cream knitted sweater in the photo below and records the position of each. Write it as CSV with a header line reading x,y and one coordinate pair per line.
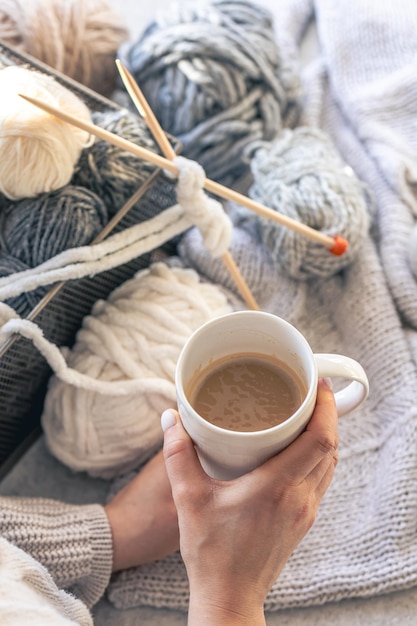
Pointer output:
x,y
47,546
29,595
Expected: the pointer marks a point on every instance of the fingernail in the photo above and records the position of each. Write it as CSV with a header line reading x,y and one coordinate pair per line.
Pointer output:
x,y
168,419
328,382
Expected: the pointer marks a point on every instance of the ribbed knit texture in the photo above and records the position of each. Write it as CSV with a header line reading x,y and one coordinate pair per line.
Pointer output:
x,y
370,107
73,542
30,596
363,92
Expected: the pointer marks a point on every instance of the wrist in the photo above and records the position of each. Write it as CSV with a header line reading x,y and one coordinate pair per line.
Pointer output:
x,y
209,609
210,615
118,545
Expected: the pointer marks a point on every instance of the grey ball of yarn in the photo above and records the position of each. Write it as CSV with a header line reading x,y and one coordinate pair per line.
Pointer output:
x,y
110,172
217,79
33,230
302,175
25,302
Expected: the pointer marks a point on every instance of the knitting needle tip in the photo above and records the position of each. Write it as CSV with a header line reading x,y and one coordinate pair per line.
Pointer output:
x,y
340,246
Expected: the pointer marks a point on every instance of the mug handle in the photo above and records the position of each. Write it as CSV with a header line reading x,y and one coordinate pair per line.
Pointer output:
x,y
356,392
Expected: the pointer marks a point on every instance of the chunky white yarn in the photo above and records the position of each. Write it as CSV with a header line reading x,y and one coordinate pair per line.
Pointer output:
x,y
152,315
38,151
135,337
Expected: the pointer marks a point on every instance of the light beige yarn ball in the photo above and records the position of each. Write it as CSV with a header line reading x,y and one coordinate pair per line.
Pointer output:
x,y
79,38
135,335
38,152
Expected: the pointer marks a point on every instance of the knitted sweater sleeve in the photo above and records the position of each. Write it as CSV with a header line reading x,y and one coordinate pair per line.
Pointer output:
x,y
73,542
30,596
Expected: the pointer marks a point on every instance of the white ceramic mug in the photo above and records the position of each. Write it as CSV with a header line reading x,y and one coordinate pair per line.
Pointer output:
x,y
226,454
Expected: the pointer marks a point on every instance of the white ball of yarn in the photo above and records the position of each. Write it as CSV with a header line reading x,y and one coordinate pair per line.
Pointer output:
x,y
38,151
137,333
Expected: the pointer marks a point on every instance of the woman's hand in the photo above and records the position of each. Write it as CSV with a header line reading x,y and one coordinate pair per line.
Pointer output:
x,y
143,518
236,536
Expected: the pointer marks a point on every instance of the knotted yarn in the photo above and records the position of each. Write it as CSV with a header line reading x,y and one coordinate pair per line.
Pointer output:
x,y
38,151
136,334
217,79
207,214
300,174
79,38
107,170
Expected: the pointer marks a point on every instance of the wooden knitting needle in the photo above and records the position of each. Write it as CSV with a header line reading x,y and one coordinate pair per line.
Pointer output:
x,y
160,137
336,245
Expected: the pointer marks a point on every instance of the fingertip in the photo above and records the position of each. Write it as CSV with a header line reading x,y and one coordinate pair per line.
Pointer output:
x,y
168,419
325,412
181,460
325,394
326,382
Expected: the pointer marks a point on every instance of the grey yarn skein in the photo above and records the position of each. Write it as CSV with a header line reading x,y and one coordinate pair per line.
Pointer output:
x,y
302,175
34,230
216,79
108,171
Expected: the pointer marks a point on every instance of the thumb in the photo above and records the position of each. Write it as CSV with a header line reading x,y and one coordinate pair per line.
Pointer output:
x,y
181,460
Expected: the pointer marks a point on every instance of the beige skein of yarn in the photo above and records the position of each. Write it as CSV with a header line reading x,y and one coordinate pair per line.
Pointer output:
x,y
79,38
137,333
38,152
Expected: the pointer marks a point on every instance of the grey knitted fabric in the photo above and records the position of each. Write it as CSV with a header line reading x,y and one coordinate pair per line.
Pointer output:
x,y
72,541
364,541
369,105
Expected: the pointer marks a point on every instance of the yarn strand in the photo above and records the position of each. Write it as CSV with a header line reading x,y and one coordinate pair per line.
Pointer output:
x,y
56,360
57,269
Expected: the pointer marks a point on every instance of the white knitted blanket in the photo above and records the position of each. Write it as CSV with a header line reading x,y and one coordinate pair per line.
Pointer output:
x,y
363,91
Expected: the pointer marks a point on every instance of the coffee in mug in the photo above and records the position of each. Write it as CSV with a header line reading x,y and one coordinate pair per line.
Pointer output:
x,y
246,392
226,453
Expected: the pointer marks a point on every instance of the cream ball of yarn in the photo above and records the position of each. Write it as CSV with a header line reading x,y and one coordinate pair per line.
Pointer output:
x,y
137,333
79,38
38,151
